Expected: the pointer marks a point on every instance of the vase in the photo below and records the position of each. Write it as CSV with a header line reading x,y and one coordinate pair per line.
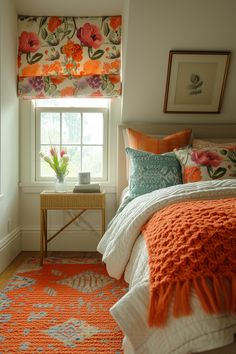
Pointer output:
x,y
60,184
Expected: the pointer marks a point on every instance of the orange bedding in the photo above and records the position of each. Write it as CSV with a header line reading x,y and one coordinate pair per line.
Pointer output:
x,y
192,245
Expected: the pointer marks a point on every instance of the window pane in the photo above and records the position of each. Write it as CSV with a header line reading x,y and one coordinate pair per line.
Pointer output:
x,y
71,128
80,132
92,160
50,128
74,162
93,128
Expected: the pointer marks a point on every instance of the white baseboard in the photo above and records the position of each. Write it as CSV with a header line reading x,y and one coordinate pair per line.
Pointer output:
x,y
28,239
10,247
68,240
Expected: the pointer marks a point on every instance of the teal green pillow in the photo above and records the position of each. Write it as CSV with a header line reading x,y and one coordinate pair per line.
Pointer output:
x,y
151,171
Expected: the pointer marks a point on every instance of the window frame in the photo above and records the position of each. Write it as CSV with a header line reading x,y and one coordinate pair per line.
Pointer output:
x,y
103,110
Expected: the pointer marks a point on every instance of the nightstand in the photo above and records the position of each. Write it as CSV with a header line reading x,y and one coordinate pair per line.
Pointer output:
x,y
67,201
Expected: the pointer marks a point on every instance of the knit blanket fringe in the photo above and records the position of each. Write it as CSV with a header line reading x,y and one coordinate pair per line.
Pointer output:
x,y
216,295
192,246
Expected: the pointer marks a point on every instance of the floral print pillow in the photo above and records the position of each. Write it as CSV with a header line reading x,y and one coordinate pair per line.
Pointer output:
x,y
207,164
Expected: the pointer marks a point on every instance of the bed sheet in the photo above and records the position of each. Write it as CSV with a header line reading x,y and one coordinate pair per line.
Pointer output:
x,y
124,251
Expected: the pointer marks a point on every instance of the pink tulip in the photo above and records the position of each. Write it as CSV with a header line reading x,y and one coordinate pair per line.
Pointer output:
x,y
53,151
62,153
65,158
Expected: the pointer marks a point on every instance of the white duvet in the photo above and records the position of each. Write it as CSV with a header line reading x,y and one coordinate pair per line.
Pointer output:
x,y
124,252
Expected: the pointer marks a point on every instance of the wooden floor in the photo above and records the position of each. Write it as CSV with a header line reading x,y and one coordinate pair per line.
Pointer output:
x,y
11,269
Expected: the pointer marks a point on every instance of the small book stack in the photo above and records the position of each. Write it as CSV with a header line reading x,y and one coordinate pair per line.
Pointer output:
x,y
87,188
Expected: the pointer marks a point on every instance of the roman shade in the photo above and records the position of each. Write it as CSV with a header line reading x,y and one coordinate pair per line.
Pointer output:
x,y
69,57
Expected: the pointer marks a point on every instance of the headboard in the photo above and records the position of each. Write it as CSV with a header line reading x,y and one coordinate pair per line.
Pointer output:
x,y
204,131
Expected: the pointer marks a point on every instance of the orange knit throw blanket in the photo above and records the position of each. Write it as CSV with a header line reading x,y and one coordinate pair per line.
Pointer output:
x,y
192,245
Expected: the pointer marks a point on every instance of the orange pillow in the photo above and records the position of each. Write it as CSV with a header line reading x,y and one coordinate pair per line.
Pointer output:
x,y
140,141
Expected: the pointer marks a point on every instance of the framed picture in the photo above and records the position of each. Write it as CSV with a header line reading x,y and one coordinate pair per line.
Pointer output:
x,y
196,81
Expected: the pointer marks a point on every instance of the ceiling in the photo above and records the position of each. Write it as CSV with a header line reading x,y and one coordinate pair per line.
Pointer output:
x,y
69,7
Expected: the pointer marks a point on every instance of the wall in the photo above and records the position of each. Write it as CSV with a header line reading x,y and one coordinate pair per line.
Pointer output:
x,y
157,26
69,7
9,200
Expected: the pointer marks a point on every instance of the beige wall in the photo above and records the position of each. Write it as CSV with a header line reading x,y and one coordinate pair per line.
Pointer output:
x,y
9,200
154,28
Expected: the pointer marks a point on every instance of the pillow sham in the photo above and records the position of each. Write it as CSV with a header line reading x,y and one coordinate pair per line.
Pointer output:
x,y
202,144
207,164
140,141
151,171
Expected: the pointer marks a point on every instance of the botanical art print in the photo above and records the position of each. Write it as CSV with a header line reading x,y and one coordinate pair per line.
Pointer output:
x,y
196,81
69,56
196,84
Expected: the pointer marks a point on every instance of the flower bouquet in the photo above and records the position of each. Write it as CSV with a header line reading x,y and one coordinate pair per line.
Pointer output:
x,y
59,163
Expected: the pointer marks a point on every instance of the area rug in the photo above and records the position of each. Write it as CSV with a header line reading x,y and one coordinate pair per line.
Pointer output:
x,y
62,307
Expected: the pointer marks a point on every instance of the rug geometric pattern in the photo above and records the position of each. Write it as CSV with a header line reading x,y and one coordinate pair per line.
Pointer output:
x,y
87,282
61,308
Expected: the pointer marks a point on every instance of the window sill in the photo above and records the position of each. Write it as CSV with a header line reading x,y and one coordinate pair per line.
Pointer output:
x,y
38,187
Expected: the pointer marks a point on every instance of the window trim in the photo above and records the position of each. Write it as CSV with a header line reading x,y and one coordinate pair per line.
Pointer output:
x,y
36,159
27,181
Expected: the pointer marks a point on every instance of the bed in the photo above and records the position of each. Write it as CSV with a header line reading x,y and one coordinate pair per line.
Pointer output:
x,y
125,252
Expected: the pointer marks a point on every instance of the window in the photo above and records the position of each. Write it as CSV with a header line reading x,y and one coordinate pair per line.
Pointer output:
x,y
80,127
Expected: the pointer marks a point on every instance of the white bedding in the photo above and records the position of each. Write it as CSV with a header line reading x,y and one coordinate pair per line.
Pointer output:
x,y
124,251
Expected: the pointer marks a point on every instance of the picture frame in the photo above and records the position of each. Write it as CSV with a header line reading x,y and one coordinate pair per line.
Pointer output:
x,y
196,81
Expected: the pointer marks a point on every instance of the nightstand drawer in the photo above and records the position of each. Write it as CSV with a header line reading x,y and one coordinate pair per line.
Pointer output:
x,y
72,200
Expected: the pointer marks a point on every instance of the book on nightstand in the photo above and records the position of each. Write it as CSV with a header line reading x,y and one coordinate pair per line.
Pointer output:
x,y
87,188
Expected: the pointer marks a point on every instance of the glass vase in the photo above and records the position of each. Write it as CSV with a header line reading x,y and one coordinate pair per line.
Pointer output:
x,y
60,184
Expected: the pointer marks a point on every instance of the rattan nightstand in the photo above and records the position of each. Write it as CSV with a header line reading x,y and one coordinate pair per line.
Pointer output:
x,y
66,201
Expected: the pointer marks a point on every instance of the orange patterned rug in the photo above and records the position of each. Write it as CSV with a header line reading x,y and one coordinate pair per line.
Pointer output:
x,y
62,307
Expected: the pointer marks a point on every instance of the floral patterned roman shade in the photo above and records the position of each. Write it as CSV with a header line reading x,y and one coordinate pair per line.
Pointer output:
x,y
69,57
